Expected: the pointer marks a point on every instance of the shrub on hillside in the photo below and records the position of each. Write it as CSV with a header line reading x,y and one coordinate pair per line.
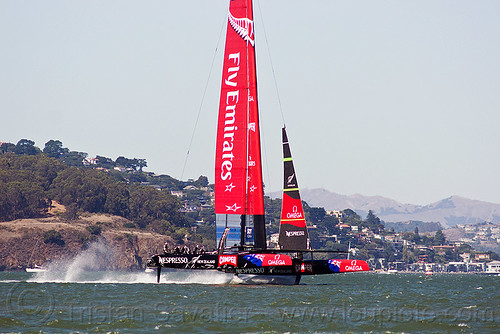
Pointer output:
x,y
94,229
53,237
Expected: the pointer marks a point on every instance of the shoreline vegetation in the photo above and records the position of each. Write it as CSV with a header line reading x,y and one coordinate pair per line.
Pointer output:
x,y
55,202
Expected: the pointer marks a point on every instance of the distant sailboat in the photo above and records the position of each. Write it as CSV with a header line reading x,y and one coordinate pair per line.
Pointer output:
x,y
34,268
239,193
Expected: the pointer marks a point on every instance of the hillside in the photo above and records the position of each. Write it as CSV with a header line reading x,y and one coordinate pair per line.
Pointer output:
x,y
22,242
449,211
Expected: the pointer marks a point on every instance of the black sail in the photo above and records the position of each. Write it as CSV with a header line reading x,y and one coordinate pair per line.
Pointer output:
x,y
293,231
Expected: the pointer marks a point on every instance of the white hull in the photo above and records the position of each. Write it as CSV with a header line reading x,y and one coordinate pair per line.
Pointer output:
x,y
36,270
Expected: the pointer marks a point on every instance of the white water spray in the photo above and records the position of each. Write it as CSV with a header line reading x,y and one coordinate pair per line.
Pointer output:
x,y
95,265
92,265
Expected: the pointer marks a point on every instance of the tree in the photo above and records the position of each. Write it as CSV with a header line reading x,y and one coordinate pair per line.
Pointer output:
x,y
351,217
373,222
330,223
74,158
201,182
439,238
141,163
148,204
117,199
54,149
126,163
87,189
26,146
7,147
316,215
22,193
416,237
105,162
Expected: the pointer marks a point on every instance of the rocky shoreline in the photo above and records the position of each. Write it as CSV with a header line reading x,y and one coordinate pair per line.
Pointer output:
x,y
27,242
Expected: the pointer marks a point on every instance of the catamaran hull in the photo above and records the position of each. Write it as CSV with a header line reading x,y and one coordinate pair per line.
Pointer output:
x,y
255,268
183,276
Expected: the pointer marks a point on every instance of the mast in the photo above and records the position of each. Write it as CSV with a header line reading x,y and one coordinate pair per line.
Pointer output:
x,y
238,171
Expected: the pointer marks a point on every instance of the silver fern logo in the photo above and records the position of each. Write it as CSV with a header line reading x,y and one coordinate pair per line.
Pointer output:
x,y
290,180
243,27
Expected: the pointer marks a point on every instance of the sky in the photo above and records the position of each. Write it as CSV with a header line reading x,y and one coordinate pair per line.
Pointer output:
x,y
399,99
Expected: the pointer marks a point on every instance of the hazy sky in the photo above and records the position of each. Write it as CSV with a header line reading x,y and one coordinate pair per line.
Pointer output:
x,y
393,98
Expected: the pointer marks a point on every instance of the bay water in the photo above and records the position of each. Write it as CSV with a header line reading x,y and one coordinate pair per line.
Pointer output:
x,y
132,302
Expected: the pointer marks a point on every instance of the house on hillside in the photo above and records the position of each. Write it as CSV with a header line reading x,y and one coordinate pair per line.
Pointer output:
x,y
482,256
493,267
90,161
441,250
177,193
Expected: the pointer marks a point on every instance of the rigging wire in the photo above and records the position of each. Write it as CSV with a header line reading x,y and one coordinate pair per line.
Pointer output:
x,y
203,96
271,63
277,92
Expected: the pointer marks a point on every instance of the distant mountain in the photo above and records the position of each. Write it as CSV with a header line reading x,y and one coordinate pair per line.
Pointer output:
x,y
410,225
449,211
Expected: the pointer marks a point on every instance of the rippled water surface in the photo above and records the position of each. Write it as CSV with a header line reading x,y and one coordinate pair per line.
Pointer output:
x,y
132,302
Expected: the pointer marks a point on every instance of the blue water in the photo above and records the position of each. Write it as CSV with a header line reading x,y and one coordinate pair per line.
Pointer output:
x,y
125,302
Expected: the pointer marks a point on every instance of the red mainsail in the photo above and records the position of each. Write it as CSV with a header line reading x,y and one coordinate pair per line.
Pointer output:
x,y
238,171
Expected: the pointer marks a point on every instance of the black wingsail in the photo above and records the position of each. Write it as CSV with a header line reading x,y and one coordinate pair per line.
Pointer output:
x,y
293,231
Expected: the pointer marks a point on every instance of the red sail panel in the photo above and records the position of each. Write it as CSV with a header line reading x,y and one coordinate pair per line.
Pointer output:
x,y
292,212
238,171
255,190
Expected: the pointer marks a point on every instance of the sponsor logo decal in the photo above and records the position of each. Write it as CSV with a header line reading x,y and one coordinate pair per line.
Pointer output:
x,y
295,213
353,266
294,233
233,207
277,261
243,27
167,260
256,259
251,163
266,260
344,265
227,259
278,271
205,261
289,181
334,265
304,268
250,270
249,233
230,187
232,98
